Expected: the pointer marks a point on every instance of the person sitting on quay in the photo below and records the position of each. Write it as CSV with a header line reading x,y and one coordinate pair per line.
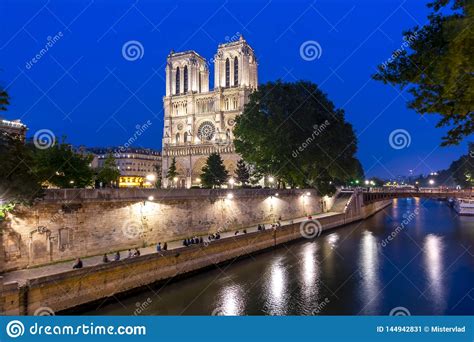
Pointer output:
x,y
105,258
158,247
129,254
185,242
136,253
236,232
165,246
218,236
78,263
244,231
117,256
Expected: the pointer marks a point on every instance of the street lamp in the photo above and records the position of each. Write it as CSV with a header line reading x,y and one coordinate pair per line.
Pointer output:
x,y
151,177
231,183
431,181
230,196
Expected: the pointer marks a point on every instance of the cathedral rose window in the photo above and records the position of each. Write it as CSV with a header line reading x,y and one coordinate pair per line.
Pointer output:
x,y
206,131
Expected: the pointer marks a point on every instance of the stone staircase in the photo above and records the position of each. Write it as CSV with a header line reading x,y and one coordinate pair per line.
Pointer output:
x,y
342,199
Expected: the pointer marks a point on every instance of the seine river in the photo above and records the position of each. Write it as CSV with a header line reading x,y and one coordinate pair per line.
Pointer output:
x,y
425,268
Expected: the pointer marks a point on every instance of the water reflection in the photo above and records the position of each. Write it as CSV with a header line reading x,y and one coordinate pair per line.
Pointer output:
x,y
275,288
433,248
369,263
231,301
310,275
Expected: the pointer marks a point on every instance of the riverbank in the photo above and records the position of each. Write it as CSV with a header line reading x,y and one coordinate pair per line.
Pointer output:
x,y
75,288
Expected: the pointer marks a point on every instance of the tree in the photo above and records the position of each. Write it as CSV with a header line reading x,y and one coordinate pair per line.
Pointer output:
x,y
4,100
214,173
60,166
462,170
158,171
439,68
172,172
19,183
108,174
293,132
242,172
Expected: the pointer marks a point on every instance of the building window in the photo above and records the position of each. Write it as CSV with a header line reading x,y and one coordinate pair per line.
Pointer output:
x,y
236,72
185,79
185,138
227,73
177,138
177,81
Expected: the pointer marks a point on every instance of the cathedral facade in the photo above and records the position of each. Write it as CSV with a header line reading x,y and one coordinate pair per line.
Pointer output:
x,y
199,121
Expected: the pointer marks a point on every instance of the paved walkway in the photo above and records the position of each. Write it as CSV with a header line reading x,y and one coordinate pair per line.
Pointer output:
x,y
22,275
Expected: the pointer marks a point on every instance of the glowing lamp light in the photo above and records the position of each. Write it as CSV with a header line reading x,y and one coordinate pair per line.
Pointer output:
x,y
308,194
431,181
366,182
276,195
231,181
175,179
151,198
198,180
271,179
150,177
230,196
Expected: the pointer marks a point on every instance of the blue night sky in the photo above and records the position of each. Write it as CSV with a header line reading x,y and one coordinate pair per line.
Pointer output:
x,y
83,87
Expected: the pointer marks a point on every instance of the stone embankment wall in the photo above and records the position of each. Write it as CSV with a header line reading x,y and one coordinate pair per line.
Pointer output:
x,y
78,287
82,222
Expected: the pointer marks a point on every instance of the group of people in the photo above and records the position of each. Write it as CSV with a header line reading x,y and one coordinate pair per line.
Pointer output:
x,y
186,242
192,241
160,248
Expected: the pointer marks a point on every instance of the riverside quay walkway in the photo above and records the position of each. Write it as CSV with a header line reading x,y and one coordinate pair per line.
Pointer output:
x,y
21,276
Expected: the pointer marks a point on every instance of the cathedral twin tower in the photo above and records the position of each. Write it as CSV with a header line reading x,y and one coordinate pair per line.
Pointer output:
x,y
199,121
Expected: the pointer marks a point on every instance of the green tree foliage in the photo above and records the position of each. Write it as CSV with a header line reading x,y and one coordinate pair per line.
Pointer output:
x,y
60,166
19,183
439,68
172,172
293,132
158,171
4,100
214,173
108,174
242,172
462,171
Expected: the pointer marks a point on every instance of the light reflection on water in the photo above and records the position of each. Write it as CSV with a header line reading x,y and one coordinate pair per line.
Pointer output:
x,y
345,271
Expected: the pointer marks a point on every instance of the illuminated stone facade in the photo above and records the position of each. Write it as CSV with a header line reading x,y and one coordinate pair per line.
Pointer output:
x,y
199,121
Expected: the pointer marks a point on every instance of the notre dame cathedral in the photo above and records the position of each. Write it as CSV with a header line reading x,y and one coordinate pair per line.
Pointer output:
x,y
199,121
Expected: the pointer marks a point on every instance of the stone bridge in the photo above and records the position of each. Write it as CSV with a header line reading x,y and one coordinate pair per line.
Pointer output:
x,y
378,194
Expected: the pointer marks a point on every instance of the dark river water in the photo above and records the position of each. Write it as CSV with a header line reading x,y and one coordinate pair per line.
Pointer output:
x,y
427,268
